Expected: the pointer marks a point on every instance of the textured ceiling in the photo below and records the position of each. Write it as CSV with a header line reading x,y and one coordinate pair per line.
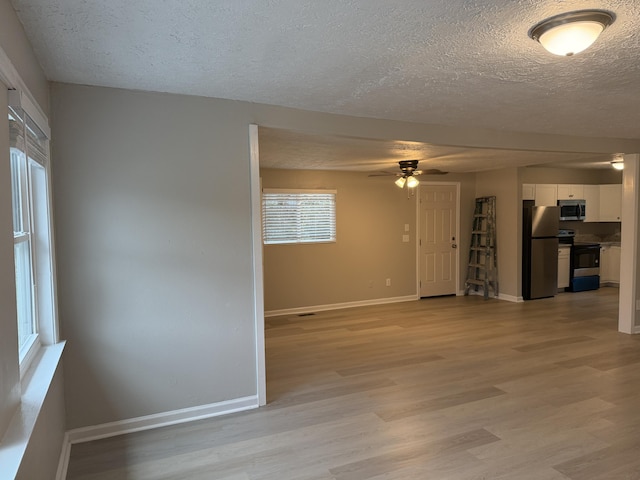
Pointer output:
x,y
298,150
448,62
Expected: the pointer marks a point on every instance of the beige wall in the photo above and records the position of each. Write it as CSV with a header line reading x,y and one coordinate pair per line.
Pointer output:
x,y
45,442
43,452
504,185
370,216
16,46
10,377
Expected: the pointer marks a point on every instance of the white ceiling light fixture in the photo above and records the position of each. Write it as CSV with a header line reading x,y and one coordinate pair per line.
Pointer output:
x,y
618,164
572,32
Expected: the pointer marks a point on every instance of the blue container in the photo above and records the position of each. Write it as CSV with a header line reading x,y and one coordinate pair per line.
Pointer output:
x,y
581,284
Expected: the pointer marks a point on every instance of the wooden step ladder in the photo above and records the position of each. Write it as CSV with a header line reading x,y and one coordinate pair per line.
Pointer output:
x,y
482,271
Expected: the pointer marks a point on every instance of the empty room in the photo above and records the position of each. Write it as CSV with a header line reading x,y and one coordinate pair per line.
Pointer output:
x,y
273,240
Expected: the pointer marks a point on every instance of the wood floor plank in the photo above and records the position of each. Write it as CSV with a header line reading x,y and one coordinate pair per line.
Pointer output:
x,y
454,388
413,453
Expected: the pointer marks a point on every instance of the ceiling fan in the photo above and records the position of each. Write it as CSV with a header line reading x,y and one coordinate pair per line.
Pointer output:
x,y
408,173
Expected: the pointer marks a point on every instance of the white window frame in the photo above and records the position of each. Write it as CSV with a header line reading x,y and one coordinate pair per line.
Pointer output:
x,y
38,199
301,237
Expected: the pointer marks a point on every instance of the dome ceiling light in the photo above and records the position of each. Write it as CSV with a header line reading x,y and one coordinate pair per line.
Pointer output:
x,y
572,32
618,164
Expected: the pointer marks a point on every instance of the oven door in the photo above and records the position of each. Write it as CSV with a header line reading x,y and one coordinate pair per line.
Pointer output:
x,y
585,260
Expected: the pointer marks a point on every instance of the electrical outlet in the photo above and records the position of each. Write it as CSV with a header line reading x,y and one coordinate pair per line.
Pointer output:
x,y
405,238
388,283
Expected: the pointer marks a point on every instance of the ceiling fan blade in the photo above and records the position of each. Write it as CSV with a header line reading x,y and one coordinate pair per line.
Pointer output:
x,y
430,171
385,174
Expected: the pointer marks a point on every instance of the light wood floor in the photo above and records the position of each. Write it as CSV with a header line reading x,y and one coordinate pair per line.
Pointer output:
x,y
444,388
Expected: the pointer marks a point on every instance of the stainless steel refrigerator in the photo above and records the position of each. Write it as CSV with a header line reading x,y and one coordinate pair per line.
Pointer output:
x,y
539,251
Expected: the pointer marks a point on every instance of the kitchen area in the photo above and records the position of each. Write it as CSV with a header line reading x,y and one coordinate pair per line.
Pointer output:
x,y
571,238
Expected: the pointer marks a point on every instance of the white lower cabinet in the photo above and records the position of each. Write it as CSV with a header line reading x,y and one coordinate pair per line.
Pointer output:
x,y
609,264
564,254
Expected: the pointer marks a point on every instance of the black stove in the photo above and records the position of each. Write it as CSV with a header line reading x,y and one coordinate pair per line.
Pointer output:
x,y
585,266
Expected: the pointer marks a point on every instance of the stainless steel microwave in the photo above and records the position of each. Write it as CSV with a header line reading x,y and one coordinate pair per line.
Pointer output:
x,y
572,209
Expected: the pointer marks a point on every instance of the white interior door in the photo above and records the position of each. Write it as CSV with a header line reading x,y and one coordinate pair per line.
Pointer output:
x,y
438,240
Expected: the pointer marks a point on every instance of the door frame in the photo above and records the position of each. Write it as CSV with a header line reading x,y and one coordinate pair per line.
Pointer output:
x,y
629,253
258,277
459,291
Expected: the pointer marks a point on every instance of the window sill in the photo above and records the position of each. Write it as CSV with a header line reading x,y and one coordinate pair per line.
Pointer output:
x,y
35,386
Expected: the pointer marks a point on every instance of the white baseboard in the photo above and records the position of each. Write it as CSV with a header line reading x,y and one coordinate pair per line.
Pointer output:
x,y
336,306
501,296
148,422
510,298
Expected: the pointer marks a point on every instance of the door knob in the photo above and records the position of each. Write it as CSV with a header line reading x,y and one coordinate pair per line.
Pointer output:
x,y
453,245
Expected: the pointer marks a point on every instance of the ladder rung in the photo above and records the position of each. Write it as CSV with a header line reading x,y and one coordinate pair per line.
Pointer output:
x,y
477,265
476,282
480,232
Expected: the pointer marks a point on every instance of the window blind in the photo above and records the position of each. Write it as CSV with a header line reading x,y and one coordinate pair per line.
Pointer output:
x,y
298,216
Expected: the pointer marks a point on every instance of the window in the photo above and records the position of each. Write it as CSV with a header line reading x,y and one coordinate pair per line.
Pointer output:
x,y
298,216
31,229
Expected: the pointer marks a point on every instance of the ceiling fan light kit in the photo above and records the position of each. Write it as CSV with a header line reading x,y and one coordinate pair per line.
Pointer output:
x,y
572,32
408,172
408,169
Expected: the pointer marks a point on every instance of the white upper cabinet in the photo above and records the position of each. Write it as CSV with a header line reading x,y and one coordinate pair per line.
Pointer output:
x,y
610,203
592,198
546,195
570,192
603,202
528,191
